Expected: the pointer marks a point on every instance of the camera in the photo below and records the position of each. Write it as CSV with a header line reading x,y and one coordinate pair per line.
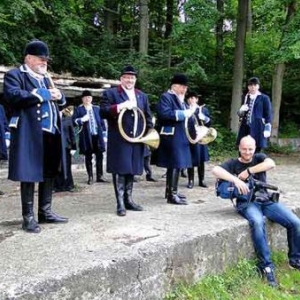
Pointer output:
x,y
259,191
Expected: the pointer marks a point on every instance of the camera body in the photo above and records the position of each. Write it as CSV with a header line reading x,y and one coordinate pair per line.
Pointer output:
x,y
259,191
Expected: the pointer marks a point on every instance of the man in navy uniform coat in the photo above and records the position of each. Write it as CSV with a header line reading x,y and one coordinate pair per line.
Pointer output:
x,y
91,138
125,159
255,115
36,141
173,152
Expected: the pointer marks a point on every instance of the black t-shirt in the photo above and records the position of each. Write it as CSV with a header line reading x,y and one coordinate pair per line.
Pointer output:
x,y
235,167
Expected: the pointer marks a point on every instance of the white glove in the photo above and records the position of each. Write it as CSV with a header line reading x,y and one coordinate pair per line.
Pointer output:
x,y
244,107
85,118
127,104
267,131
72,152
188,112
203,117
7,142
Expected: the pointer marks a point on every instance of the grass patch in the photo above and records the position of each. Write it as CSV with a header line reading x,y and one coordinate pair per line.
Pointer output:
x,y
243,282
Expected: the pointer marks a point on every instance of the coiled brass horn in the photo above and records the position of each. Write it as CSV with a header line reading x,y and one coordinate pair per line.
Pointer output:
x,y
151,139
205,135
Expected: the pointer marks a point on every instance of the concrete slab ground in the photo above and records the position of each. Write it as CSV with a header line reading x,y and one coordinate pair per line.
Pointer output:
x,y
98,255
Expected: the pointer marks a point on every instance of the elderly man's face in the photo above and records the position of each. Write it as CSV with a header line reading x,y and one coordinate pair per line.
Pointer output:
x,y
179,89
37,64
128,81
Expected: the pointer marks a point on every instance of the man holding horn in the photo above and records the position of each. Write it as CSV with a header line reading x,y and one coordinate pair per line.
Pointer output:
x,y
36,133
125,158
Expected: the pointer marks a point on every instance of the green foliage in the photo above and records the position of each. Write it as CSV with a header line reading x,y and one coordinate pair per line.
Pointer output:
x,y
275,148
288,129
224,146
243,282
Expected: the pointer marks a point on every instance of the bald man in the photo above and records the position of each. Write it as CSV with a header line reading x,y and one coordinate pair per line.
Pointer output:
x,y
238,171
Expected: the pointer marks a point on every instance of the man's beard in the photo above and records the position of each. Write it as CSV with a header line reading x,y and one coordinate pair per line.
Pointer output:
x,y
40,70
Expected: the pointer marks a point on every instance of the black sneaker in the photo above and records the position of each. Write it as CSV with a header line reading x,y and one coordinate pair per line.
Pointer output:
x,y
295,265
268,273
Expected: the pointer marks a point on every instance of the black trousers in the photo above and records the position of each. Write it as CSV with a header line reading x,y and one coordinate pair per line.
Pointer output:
x,y
52,154
95,149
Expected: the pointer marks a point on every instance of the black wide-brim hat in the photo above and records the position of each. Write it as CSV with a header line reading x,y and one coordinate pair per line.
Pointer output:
x,y
37,48
191,94
179,79
253,80
130,70
86,93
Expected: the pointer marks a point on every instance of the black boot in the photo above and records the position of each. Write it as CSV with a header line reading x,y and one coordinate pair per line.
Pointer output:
x,y
148,169
45,215
129,203
27,198
119,187
167,188
89,169
190,172
99,168
172,181
201,171
182,173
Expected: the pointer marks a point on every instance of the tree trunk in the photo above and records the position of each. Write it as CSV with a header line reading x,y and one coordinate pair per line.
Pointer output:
x,y
169,28
238,62
277,80
219,37
278,75
111,16
144,23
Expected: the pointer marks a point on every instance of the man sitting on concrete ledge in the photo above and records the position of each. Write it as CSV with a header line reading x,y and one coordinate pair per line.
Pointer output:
x,y
238,172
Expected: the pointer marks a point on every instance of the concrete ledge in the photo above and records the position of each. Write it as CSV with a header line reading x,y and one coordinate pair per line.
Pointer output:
x,y
98,255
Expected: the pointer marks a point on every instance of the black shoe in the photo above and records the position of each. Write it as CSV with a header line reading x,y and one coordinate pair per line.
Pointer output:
x,y
51,217
174,199
133,206
121,212
295,265
190,184
30,225
90,181
71,190
102,179
149,178
203,184
2,193
181,196
268,273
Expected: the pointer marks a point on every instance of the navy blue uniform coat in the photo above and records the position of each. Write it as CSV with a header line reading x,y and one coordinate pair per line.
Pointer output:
x,y
200,152
124,157
174,149
85,137
3,130
261,115
26,148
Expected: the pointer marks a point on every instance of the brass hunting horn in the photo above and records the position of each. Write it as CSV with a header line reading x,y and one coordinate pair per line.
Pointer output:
x,y
205,135
151,138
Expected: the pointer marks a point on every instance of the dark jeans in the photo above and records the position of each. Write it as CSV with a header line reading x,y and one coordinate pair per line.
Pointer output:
x,y
277,212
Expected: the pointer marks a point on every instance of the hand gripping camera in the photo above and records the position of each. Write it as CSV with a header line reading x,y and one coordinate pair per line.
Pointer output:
x,y
258,191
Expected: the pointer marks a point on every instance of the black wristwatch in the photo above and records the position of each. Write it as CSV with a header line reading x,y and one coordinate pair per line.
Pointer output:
x,y
248,171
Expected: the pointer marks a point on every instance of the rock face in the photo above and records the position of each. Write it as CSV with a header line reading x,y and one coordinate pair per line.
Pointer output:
x,y
98,255
73,86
